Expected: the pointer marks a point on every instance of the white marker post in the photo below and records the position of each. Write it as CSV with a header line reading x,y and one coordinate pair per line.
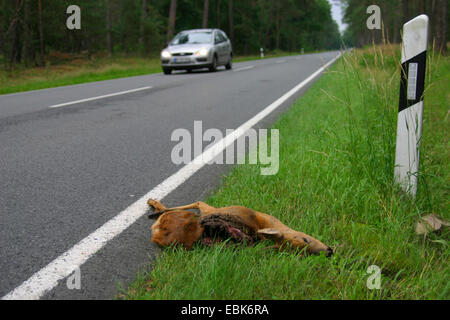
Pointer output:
x,y
409,125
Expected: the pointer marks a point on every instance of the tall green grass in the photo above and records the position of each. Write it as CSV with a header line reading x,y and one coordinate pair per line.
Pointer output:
x,y
335,182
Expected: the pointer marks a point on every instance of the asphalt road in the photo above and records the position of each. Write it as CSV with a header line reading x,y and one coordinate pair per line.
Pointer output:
x,y
66,171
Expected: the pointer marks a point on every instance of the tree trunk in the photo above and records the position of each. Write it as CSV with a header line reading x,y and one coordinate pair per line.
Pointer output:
x,y
423,6
278,26
230,20
15,54
268,25
441,25
205,13
5,36
405,10
444,26
218,14
108,29
172,17
41,33
396,24
26,33
142,36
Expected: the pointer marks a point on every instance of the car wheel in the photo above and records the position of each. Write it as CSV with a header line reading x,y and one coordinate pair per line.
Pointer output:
x,y
213,67
167,70
229,65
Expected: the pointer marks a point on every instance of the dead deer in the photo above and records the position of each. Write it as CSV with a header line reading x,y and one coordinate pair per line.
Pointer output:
x,y
180,226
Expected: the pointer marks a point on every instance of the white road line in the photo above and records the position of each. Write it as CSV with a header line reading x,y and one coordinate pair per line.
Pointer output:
x,y
99,97
64,265
243,68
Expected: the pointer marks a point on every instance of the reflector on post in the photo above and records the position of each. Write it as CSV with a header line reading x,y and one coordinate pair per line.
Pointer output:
x,y
410,113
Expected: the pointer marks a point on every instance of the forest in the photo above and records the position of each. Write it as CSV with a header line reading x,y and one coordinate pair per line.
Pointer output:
x,y
31,29
394,14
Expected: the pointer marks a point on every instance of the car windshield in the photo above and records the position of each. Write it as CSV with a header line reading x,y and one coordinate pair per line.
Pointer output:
x,y
192,38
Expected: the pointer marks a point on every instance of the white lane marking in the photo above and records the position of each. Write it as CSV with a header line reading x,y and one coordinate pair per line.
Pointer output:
x,y
280,61
47,278
99,97
243,68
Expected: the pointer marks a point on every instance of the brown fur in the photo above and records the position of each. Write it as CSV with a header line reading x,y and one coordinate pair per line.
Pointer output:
x,y
180,226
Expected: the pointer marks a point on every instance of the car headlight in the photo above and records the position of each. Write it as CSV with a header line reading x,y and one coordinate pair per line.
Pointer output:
x,y
165,54
202,52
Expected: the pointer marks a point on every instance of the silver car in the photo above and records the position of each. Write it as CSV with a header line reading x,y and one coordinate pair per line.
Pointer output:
x,y
195,49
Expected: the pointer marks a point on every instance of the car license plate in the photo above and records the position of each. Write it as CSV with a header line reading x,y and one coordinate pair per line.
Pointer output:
x,y
181,60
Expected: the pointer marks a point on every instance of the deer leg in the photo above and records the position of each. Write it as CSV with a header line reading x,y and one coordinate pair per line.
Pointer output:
x,y
160,208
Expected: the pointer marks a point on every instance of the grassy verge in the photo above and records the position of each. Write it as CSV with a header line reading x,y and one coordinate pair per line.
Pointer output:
x,y
65,69
335,182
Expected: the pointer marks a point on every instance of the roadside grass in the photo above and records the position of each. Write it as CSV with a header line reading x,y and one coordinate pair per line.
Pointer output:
x,y
65,69
335,183
69,70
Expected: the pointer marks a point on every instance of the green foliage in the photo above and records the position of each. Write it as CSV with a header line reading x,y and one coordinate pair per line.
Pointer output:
x,y
394,13
141,26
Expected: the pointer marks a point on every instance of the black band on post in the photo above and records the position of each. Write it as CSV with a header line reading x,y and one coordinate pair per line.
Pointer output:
x,y
420,60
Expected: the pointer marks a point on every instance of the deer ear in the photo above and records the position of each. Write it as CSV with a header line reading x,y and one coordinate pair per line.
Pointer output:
x,y
271,234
